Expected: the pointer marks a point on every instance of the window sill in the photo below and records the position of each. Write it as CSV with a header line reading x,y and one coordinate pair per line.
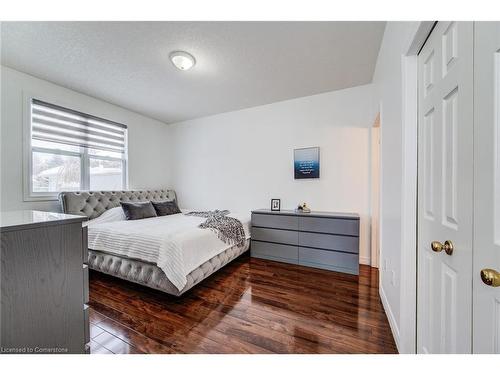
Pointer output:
x,y
41,198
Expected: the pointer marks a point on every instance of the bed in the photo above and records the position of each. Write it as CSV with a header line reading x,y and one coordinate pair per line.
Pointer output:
x,y
168,253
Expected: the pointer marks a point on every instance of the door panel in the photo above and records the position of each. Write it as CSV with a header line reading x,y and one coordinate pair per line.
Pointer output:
x,y
428,165
449,309
450,163
425,322
486,334
445,182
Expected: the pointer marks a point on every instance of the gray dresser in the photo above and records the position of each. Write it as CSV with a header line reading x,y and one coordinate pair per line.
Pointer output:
x,y
44,283
318,239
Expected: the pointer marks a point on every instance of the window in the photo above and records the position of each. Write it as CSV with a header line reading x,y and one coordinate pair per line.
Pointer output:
x,y
70,150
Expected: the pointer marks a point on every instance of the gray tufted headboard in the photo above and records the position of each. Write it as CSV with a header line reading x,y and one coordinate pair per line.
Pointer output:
x,y
93,203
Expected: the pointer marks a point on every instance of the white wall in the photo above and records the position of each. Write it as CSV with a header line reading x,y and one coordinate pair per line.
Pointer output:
x,y
390,91
148,142
240,160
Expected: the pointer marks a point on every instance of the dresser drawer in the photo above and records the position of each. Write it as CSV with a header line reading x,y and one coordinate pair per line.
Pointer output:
x,y
329,242
275,221
267,250
325,225
85,283
275,235
330,260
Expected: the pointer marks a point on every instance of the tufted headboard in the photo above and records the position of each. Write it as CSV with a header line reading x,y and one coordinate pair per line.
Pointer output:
x,y
93,203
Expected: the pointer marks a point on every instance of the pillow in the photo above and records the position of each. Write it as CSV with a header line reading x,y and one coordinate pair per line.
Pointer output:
x,y
166,208
113,214
138,210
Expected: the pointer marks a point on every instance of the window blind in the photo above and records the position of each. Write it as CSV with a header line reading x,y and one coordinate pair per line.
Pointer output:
x,y
53,123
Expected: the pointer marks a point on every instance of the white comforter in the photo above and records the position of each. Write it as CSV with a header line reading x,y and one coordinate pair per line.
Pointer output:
x,y
174,243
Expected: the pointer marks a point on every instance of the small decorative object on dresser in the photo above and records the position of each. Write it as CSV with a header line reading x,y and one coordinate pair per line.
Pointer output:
x,y
325,240
302,208
44,278
275,204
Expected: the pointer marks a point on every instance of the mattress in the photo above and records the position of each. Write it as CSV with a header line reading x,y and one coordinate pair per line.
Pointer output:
x,y
150,275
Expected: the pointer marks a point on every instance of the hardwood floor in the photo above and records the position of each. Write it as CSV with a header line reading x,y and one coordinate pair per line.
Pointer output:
x,y
249,306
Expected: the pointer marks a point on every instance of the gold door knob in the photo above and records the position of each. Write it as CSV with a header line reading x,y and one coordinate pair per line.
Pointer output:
x,y
437,247
490,277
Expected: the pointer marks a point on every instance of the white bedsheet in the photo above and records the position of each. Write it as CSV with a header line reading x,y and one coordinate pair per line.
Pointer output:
x,y
174,242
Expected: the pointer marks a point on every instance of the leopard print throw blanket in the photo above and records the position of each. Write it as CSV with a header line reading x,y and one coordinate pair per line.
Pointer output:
x,y
228,229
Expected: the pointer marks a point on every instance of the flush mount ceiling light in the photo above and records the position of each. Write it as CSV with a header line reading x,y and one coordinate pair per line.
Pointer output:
x,y
182,60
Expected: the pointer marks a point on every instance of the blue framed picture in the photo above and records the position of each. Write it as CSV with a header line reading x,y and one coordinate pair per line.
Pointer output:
x,y
306,162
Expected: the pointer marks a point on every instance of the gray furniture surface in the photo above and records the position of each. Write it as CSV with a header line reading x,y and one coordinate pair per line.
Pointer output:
x,y
44,283
93,203
325,240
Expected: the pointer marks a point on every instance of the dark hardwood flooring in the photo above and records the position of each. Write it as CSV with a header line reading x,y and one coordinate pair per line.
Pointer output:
x,y
249,306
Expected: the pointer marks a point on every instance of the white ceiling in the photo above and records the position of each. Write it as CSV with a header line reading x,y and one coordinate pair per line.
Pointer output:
x,y
239,64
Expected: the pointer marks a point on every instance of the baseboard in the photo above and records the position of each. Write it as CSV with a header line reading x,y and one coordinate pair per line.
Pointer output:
x,y
390,317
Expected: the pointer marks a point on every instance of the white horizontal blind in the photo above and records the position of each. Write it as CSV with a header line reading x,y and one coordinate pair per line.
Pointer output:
x,y
53,123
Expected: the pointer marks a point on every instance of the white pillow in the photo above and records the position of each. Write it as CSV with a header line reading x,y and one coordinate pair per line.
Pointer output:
x,y
109,216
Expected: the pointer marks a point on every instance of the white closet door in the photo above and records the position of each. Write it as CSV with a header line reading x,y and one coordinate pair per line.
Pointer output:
x,y
486,327
445,190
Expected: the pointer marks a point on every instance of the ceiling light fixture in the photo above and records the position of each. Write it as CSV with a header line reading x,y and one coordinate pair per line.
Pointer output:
x,y
182,60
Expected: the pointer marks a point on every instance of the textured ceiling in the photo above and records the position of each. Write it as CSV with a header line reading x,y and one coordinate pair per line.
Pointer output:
x,y
239,64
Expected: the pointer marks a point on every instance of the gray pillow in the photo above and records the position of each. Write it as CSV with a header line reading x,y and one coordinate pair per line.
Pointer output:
x,y
166,208
138,210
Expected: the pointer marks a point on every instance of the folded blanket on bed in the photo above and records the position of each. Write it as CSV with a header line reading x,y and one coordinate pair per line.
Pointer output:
x,y
228,229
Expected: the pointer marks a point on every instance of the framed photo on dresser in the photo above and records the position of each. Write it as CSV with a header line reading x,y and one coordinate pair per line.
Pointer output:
x,y
275,204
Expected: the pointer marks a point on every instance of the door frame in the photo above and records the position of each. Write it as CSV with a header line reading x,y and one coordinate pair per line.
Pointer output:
x,y
409,141
375,193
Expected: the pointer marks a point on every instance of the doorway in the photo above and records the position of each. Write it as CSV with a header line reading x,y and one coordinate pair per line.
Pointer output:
x,y
375,193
